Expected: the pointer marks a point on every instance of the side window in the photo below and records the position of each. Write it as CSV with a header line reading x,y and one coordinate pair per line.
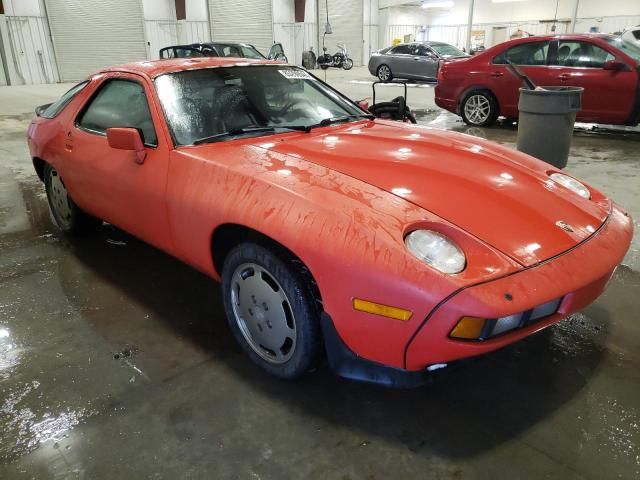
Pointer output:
x,y
581,54
401,49
421,50
187,53
56,107
533,53
167,53
231,51
120,103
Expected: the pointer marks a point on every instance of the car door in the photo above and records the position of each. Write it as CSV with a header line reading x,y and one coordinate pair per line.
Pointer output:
x,y
531,57
608,94
399,60
108,181
425,63
277,52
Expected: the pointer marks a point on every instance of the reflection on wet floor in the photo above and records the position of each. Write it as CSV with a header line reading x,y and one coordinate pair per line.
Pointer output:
x,y
115,359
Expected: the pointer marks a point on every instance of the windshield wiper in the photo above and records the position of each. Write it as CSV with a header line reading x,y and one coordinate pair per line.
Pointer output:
x,y
347,118
236,132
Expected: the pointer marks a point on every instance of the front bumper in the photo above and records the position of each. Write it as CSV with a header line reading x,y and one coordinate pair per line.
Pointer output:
x,y
579,276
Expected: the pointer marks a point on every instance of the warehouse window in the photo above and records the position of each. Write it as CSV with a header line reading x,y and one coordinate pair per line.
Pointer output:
x,y
533,53
119,103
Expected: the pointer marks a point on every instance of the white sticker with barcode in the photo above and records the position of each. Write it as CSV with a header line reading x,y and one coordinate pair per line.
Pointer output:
x,y
295,74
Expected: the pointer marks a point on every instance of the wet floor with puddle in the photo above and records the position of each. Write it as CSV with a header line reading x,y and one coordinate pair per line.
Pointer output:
x,y
116,362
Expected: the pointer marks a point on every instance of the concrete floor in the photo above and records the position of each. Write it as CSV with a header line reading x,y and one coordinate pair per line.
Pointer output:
x,y
115,361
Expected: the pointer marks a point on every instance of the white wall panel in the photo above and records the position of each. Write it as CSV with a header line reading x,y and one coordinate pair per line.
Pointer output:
x,y
164,33
248,21
91,34
345,17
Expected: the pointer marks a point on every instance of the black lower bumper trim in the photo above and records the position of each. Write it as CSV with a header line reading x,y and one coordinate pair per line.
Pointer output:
x,y
347,364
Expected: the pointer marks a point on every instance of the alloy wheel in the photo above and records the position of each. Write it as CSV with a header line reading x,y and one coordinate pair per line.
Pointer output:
x,y
263,313
477,109
384,73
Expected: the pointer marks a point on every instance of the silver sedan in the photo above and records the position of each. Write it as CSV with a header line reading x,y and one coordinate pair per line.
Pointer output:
x,y
412,61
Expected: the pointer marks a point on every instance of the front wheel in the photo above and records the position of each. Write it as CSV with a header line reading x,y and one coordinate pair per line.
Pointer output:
x,y
347,64
479,108
271,310
68,216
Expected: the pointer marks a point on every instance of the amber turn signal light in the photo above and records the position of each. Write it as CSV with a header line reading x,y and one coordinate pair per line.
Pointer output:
x,y
468,328
382,310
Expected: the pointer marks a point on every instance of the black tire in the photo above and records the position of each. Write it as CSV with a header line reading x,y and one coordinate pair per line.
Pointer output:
x,y
484,97
347,64
324,67
303,310
380,73
67,215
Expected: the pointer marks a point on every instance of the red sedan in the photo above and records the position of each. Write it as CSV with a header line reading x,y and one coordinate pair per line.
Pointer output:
x,y
481,88
372,241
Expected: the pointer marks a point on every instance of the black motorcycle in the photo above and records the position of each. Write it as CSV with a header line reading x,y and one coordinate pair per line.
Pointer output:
x,y
338,60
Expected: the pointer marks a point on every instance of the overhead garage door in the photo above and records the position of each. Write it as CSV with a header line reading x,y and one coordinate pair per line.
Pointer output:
x,y
245,21
345,17
91,34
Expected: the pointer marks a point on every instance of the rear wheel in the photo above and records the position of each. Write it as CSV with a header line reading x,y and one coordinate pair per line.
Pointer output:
x,y
271,310
324,67
68,216
479,108
384,73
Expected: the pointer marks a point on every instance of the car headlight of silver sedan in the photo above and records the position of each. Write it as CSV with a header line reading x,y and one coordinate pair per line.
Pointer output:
x,y
571,183
436,250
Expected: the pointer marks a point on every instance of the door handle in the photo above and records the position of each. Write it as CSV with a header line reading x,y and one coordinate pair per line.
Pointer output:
x,y
564,76
497,74
68,144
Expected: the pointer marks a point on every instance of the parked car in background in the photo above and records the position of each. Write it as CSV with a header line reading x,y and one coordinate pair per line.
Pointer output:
x,y
632,34
481,88
412,61
218,49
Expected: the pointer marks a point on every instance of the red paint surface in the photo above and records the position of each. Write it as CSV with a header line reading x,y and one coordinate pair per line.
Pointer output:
x,y
608,96
342,198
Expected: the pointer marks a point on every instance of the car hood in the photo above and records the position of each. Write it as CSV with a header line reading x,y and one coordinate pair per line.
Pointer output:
x,y
496,194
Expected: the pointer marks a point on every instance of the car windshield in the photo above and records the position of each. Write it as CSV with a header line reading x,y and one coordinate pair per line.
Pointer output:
x,y
625,46
445,50
216,102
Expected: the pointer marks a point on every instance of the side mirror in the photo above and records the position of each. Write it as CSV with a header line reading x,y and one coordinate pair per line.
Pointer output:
x,y
615,66
127,139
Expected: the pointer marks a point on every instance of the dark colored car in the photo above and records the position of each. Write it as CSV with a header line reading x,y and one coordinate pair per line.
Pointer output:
x,y
481,88
221,49
412,61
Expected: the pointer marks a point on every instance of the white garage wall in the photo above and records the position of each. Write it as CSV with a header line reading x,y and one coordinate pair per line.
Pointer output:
x,y
27,44
450,25
163,30
346,18
247,21
295,37
91,34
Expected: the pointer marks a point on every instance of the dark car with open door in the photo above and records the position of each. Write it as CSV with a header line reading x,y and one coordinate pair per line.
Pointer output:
x,y
223,49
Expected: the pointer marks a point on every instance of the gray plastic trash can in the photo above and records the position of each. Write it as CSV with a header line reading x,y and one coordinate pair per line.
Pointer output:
x,y
546,120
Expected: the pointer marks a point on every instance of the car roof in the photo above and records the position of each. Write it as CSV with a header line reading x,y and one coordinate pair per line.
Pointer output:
x,y
154,68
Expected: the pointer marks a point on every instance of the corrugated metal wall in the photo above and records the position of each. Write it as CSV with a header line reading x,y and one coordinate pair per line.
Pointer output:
x,y
164,33
90,34
248,21
345,17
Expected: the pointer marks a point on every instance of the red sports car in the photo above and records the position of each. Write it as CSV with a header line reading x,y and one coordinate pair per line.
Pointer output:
x,y
608,68
392,248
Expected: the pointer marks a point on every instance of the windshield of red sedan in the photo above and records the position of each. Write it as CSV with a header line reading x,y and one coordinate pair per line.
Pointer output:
x,y
627,47
209,102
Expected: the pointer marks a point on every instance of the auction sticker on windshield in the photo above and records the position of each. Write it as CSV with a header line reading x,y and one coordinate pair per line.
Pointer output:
x,y
294,74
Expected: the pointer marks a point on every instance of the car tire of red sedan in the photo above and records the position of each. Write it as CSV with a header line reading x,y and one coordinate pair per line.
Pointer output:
x,y
68,216
271,310
479,108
